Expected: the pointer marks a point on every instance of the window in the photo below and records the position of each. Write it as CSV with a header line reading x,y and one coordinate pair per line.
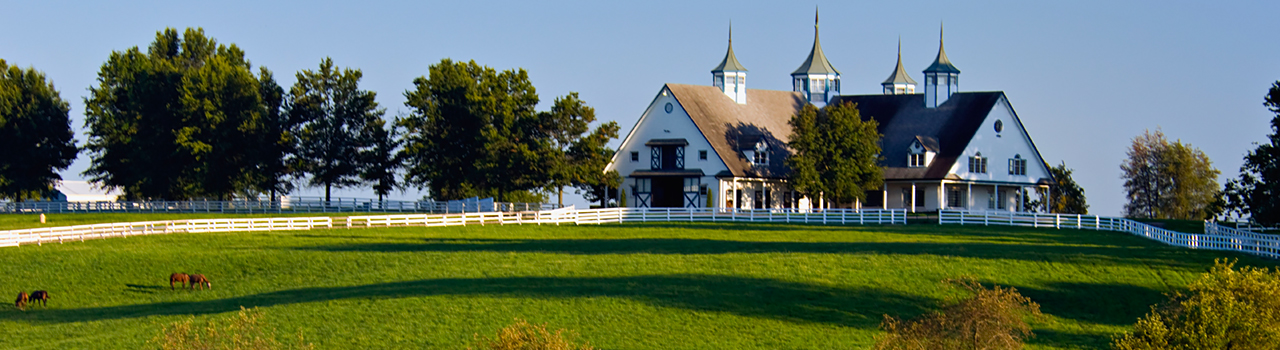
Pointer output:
x,y
691,184
978,164
635,156
953,197
642,185
991,199
761,156
920,197
702,155
1017,165
915,160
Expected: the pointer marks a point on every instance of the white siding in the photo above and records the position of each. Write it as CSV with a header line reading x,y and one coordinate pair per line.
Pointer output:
x,y
998,148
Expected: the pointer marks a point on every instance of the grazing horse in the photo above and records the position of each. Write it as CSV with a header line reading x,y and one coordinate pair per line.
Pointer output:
x,y
41,296
21,303
180,278
200,280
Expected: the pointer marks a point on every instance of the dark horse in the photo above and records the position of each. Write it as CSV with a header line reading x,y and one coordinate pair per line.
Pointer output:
x,y
21,303
178,277
41,296
200,280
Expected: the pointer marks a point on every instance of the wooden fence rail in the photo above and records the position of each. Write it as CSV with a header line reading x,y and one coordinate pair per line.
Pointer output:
x,y
1215,237
568,215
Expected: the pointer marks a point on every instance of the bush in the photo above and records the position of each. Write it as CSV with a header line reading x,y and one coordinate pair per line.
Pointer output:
x,y
989,319
525,336
1227,308
241,332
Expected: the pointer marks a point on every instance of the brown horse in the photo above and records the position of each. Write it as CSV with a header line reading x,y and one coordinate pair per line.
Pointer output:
x,y
180,278
41,296
21,303
200,280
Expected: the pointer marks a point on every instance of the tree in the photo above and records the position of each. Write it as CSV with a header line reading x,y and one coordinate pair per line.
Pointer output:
x,y
579,157
1065,196
836,153
337,124
474,131
35,134
989,319
1168,180
383,161
280,162
1227,308
183,120
1257,191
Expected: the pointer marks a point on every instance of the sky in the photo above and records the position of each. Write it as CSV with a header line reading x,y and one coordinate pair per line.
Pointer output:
x,y
1085,77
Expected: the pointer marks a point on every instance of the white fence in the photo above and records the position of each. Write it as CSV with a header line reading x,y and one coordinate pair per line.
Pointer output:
x,y
292,205
38,236
571,215
1215,237
568,215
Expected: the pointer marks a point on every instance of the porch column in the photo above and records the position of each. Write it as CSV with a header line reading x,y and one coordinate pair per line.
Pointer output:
x,y
942,195
913,197
995,193
969,197
885,200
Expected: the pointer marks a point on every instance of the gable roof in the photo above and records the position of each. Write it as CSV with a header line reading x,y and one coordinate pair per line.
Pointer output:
x,y
726,124
904,119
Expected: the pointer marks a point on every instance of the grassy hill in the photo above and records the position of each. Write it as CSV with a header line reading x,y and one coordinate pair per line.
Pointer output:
x,y
633,286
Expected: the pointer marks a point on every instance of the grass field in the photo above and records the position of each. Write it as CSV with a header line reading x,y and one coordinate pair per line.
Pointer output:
x,y
633,286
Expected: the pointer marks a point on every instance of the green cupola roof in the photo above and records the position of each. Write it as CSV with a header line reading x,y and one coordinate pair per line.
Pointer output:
x,y
899,75
941,64
730,62
817,62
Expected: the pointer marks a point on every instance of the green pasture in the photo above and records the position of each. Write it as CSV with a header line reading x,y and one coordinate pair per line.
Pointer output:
x,y
25,221
632,286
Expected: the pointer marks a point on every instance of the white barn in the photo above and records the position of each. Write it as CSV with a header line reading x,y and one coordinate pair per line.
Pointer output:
x,y
724,146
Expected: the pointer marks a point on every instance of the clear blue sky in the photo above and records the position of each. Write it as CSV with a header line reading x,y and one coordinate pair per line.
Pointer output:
x,y
1084,76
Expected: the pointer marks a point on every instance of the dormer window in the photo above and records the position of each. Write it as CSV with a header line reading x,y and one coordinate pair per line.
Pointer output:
x,y
761,154
919,154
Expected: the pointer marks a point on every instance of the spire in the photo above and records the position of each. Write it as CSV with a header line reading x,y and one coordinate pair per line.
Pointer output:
x,y
941,64
899,75
730,62
817,62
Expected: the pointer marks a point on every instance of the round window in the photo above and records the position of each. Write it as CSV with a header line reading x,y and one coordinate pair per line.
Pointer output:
x,y
668,107
999,125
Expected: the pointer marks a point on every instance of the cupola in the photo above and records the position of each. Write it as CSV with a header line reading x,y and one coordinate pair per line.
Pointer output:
x,y
730,76
816,78
899,82
941,79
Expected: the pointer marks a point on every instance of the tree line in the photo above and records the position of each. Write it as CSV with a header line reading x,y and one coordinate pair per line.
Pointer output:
x,y
190,118
1173,180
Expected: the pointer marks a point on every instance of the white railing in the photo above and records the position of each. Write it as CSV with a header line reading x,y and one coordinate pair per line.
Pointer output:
x,y
293,205
61,234
1215,237
570,215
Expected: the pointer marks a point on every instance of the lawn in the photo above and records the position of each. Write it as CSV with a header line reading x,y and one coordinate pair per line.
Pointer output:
x,y
632,286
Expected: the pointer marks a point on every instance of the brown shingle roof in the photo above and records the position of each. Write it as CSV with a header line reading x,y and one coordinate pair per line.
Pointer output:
x,y
726,123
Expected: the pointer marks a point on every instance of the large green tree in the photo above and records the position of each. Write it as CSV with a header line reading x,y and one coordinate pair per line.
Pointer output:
x,y
836,153
1166,180
1065,196
578,157
474,131
35,133
338,123
383,161
1257,191
185,119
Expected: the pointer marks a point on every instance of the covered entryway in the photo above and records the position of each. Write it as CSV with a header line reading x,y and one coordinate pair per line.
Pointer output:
x,y
668,192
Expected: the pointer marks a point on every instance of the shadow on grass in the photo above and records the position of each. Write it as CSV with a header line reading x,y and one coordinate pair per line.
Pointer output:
x,y
1071,340
1160,256
1110,304
146,289
753,297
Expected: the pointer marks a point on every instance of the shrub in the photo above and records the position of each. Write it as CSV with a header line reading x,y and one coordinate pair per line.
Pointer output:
x,y
989,319
241,332
525,336
1227,308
